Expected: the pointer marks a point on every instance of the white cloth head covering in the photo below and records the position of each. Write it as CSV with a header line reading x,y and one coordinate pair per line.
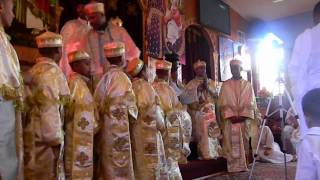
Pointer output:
x,y
78,56
236,62
49,40
94,7
114,49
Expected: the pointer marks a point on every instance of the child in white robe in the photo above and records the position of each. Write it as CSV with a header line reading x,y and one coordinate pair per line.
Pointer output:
x,y
308,167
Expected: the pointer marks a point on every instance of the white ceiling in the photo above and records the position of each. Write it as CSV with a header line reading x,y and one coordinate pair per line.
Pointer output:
x,y
268,9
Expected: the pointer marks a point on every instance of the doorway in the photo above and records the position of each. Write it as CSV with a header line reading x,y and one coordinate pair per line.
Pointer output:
x,y
198,46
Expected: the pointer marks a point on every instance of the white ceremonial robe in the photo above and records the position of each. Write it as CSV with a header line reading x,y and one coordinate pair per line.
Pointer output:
x,y
95,40
72,34
267,141
304,68
8,158
11,159
236,99
116,104
308,167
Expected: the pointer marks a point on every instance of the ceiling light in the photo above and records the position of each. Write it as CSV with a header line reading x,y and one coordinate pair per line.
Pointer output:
x,y
277,1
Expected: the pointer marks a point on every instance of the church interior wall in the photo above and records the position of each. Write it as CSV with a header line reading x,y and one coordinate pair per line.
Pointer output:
x,y
191,17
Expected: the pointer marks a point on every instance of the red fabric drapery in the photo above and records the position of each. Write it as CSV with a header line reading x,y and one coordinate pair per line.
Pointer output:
x,y
43,5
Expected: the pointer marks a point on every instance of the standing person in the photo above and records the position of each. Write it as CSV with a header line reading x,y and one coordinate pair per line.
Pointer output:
x,y
239,115
304,67
186,122
308,167
148,148
171,106
80,119
104,32
11,147
175,83
43,130
116,104
71,32
200,95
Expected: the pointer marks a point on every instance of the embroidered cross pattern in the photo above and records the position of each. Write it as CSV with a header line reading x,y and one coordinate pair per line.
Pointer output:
x,y
83,123
119,114
82,158
121,144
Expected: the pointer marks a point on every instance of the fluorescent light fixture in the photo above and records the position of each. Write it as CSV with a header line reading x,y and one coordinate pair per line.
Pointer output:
x,y
277,1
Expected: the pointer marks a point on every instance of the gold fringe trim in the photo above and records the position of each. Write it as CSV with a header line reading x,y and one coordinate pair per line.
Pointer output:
x,y
19,105
41,98
127,99
64,99
90,107
9,93
15,94
86,107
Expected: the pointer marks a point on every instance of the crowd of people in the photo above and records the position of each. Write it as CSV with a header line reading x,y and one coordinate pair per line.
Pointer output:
x,y
90,108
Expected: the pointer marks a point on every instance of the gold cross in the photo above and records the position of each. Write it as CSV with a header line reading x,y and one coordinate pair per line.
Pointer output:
x,y
82,158
83,123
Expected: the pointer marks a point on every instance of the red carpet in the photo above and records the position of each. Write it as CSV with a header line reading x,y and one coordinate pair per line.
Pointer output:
x,y
200,168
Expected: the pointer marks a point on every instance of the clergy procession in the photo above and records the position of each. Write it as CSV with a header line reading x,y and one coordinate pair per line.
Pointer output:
x,y
90,108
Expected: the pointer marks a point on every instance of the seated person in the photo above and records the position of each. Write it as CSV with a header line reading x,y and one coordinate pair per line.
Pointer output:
x,y
291,134
200,95
269,151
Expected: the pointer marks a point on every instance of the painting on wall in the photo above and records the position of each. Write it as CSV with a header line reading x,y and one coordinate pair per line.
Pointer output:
x,y
165,28
241,37
237,49
153,29
173,27
225,56
31,18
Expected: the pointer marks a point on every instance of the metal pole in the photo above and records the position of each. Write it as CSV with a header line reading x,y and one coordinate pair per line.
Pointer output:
x,y
281,112
282,126
260,136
